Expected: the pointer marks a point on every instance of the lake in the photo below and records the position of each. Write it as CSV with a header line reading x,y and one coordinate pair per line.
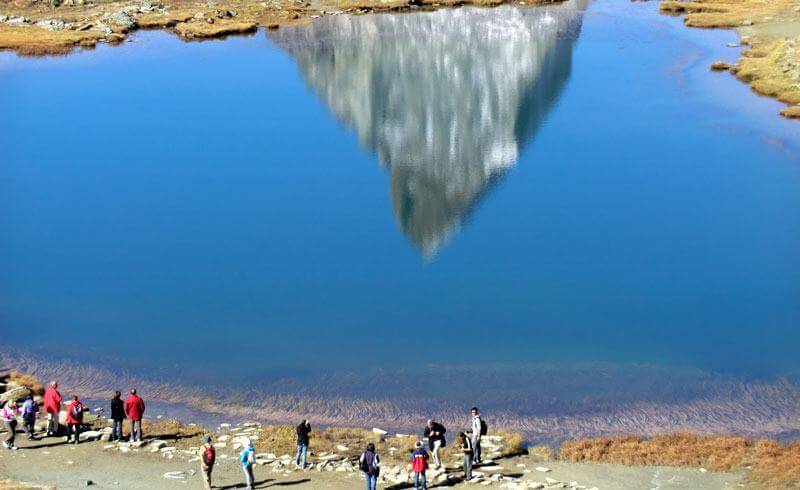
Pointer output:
x,y
557,213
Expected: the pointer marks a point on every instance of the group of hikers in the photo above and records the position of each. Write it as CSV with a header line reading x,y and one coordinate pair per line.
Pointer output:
x,y
132,409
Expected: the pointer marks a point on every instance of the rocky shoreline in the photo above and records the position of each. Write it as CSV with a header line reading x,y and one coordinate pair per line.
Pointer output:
x,y
771,30
44,27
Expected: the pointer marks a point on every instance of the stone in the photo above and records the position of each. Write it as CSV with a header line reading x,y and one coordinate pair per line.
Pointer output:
x,y
90,435
3,18
342,448
535,484
543,469
551,481
124,449
157,444
88,483
17,21
175,475
122,19
138,444
380,432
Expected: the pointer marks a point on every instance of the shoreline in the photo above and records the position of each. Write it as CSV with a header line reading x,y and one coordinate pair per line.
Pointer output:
x,y
770,31
757,409
169,454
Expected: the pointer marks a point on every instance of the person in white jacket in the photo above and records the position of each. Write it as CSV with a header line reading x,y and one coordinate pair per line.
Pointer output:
x,y
476,436
9,415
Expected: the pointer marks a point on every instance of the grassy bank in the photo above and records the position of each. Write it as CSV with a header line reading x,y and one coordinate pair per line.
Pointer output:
x,y
769,463
43,27
770,27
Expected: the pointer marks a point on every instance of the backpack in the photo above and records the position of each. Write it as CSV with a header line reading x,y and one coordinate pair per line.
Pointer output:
x,y
209,456
484,427
77,410
367,462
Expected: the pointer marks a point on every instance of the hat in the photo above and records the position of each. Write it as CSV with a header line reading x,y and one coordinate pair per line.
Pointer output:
x,y
207,439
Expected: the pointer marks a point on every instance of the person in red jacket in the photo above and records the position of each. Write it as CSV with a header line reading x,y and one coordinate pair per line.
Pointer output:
x,y
134,410
419,465
52,405
208,457
74,419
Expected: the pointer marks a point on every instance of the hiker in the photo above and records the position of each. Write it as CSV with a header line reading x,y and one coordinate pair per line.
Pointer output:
x,y
465,444
248,459
117,416
29,410
419,464
9,416
52,405
74,419
434,432
477,431
207,459
370,464
302,442
134,410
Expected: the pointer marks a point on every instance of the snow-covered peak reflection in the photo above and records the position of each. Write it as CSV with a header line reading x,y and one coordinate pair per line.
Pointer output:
x,y
446,99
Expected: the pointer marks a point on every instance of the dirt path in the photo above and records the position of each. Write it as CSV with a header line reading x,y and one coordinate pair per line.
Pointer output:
x,y
52,462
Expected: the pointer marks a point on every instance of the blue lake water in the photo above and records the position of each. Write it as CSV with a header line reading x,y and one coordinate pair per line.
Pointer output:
x,y
494,188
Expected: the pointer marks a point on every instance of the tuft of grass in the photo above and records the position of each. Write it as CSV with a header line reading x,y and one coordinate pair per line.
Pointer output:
x,y
26,380
180,435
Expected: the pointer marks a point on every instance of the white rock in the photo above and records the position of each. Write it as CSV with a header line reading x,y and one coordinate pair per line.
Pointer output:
x,y
551,481
543,469
342,448
175,475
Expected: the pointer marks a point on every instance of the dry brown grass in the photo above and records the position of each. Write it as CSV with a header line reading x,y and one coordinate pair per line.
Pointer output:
x,y
26,380
201,29
771,66
179,435
770,463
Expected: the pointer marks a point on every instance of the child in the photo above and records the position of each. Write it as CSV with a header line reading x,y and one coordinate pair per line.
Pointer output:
x,y
74,419
465,443
419,464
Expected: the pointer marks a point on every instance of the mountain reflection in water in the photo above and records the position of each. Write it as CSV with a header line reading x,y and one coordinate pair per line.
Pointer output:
x,y
446,99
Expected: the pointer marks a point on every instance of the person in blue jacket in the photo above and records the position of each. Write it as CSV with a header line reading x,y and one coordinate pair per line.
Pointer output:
x,y
248,459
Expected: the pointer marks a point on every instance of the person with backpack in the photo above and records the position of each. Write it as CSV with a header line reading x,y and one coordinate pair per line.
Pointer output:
x,y
207,459
478,429
52,405
9,415
370,464
465,445
29,410
434,432
74,419
419,465
303,430
134,410
117,416
248,459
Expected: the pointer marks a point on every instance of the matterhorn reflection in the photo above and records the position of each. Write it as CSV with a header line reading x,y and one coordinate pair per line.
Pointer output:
x,y
446,99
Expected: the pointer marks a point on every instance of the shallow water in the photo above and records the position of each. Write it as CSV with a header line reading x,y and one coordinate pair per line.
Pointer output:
x,y
546,211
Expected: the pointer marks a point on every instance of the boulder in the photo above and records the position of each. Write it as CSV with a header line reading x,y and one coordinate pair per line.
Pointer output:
x,y
122,19
52,25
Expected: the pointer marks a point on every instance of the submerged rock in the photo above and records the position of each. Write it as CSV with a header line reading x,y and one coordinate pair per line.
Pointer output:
x,y
720,66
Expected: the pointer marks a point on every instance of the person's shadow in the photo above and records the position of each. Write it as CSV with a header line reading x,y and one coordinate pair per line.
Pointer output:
x,y
260,484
